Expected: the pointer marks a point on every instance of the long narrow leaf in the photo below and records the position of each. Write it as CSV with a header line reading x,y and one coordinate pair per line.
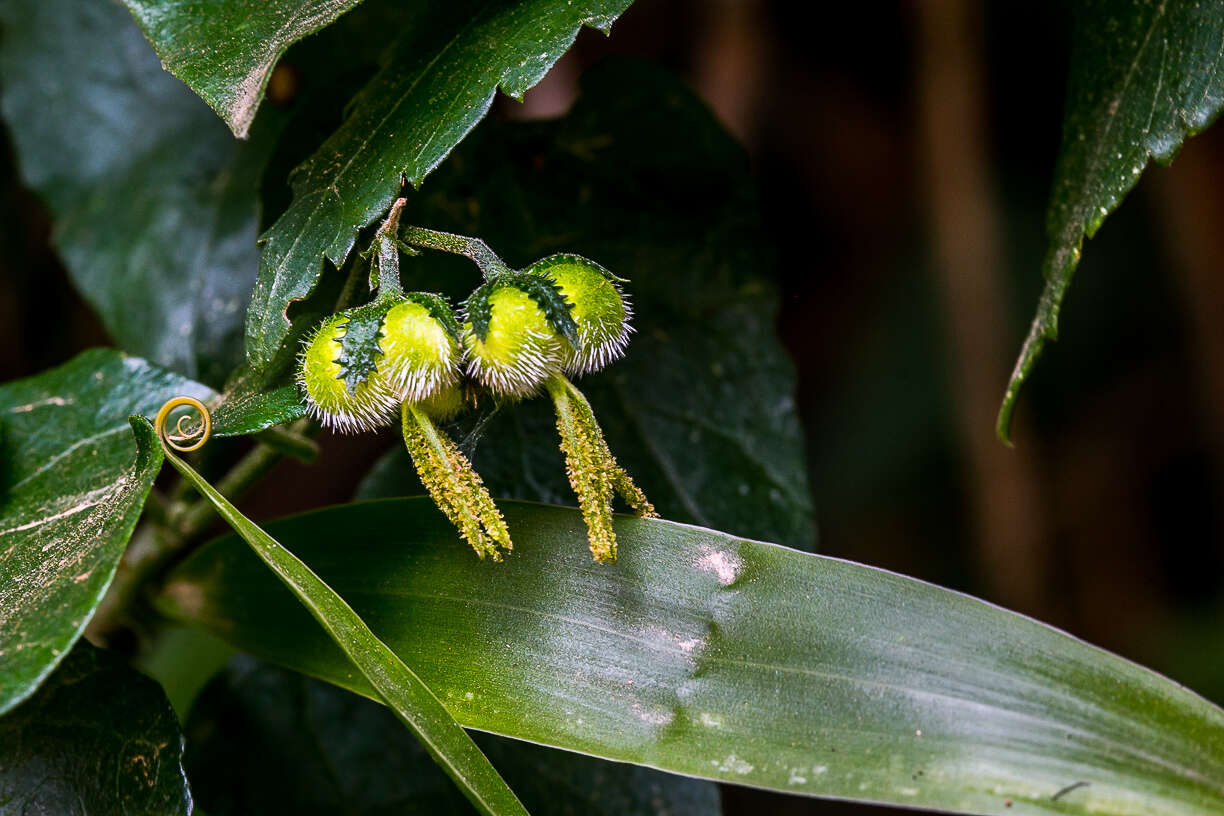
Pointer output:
x,y
394,682
714,656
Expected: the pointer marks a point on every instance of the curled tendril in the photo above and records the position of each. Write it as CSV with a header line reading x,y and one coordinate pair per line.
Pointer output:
x,y
199,433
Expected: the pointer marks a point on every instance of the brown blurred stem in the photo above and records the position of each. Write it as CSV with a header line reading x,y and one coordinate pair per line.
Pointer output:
x,y
1191,209
1008,519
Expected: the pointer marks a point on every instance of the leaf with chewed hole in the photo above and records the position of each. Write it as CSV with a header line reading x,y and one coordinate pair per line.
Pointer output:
x,y
154,201
225,50
438,82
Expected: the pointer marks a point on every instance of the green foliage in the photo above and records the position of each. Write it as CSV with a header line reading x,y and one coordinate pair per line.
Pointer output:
x,y
73,489
265,740
729,659
391,681
226,49
98,738
154,202
1144,76
699,653
437,83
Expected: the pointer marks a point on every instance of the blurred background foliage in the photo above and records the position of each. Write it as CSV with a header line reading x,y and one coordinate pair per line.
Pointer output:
x,y
904,154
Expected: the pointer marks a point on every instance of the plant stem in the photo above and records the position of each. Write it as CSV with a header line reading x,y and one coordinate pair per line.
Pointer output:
x,y
387,253
473,248
196,517
290,443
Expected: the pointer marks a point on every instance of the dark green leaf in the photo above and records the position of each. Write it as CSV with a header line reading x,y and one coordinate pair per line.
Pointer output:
x,y
226,49
729,659
154,200
254,401
72,487
642,179
247,412
265,740
1144,76
438,83
394,683
98,738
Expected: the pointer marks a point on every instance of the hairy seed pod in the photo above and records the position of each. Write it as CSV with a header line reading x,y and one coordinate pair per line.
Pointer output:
x,y
343,392
600,310
511,335
420,346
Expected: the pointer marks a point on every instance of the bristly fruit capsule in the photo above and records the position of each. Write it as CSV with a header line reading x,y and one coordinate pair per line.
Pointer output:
x,y
420,345
600,310
517,331
338,373
359,365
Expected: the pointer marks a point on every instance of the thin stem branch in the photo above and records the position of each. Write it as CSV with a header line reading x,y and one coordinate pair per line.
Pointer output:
x,y
348,293
473,248
387,252
241,477
290,443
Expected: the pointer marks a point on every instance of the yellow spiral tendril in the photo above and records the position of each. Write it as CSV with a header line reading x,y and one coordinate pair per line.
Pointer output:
x,y
185,434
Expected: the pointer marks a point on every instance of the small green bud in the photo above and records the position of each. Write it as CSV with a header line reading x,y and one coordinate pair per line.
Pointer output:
x,y
600,310
511,344
336,395
421,353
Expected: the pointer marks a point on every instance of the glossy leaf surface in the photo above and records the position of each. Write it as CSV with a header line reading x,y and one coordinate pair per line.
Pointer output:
x,y
708,655
641,178
265,739
154,201
225,50
71,489
438,82
385,673
1145,74
98,739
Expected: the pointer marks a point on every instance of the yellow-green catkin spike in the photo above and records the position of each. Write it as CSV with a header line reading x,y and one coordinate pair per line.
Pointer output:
x,y
455,487
632,494
592,470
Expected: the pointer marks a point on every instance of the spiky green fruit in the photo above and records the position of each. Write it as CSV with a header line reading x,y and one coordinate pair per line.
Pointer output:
x,y
420,347
600,310
340,392
513,334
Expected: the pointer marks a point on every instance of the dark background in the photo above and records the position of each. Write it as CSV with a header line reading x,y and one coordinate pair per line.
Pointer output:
x,y
905,153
